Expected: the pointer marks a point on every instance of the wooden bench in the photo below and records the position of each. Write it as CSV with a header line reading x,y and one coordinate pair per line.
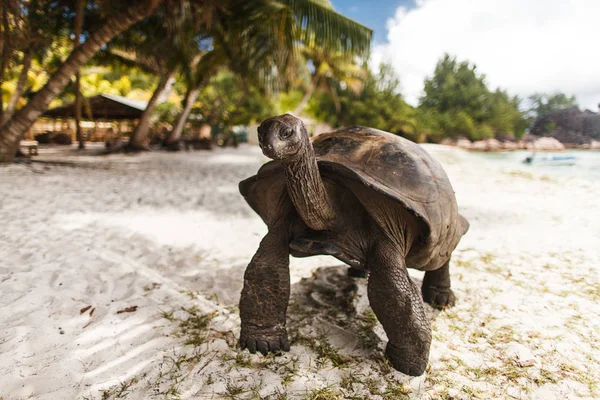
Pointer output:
x,y
31,146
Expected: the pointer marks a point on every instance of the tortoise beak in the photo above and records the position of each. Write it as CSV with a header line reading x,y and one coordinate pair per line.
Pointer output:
x,y
268,150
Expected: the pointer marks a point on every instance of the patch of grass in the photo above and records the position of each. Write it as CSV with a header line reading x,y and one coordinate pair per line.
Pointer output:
x,y
168,315
288,377
325,351
593,292
504,334
472,392
366,323
345,383
242,360
487,258
326,393
393,392
373,386
194,328
118,391
233,391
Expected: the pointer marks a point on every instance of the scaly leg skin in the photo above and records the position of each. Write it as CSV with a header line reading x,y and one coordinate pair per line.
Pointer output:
x,y
396,301
436,288
265,295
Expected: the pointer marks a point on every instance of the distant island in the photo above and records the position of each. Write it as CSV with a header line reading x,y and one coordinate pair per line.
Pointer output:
x,y
557,130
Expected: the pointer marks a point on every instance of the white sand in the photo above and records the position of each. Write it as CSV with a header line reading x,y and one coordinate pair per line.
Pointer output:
x,y
165,231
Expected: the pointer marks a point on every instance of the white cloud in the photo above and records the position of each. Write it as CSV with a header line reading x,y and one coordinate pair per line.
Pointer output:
x,y
524,46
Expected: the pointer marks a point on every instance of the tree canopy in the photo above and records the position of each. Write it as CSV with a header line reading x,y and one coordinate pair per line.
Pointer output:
x,y
457,102
543,104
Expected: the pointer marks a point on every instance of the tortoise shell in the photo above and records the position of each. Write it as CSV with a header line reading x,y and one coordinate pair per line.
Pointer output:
x,y
400,173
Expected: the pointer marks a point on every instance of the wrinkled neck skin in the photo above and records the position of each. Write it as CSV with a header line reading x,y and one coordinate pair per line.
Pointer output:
x,y
306,189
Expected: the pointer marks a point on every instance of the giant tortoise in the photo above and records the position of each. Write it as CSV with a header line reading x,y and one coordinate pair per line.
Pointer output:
x,y
373,200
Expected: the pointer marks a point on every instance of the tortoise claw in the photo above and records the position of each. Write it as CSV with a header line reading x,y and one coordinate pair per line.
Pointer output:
x,y
264,341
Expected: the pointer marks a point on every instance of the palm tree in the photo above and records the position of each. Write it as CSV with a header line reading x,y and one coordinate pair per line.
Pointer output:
x,y
29,29
329,70
121,18
260,39
164,44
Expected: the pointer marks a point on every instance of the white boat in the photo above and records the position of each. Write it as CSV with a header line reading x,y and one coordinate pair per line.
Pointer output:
x,y
550,160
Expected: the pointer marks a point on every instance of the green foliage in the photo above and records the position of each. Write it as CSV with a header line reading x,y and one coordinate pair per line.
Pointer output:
x,y
543,103
227,101
457,102
166,113
456,87
379,104
287,101
485,131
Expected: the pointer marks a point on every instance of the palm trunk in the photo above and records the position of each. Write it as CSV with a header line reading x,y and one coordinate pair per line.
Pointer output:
x,y
4,54
139,137
14,129
175,134
11,106
308,94
78,24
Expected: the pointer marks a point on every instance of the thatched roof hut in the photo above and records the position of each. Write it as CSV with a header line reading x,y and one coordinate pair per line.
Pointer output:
x,y
108,107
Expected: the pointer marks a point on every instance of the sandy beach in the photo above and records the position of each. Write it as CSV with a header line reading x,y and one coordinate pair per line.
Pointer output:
x,y
120,277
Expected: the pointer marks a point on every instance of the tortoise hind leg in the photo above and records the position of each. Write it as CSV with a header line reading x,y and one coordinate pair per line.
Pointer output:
x,y
436,288
396,301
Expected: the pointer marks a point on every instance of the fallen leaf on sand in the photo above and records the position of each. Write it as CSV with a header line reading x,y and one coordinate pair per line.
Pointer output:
x,y
84,309
128,309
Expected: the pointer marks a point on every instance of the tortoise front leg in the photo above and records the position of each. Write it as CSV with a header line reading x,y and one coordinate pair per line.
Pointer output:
x,y
265,295
396,301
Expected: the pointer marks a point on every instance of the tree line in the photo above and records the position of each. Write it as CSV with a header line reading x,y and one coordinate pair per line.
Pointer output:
x,y
234,62
456,103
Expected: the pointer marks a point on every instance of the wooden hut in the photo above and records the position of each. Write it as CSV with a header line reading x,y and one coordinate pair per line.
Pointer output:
x,y
104,117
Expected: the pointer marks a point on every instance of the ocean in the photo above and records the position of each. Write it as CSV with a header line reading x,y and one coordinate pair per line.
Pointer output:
x,y
586,164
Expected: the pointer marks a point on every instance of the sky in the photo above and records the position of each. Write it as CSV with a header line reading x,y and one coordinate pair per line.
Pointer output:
x,y
522,46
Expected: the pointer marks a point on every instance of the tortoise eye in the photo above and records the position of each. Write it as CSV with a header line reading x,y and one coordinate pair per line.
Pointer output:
x,y
285,134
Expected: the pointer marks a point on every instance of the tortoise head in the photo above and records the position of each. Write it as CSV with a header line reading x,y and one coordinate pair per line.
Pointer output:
x,y
283,137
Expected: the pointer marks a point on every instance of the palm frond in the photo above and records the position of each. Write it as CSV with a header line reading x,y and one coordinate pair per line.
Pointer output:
x,y
318,25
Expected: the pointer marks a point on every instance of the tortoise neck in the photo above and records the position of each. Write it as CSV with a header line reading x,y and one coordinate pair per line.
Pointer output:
x,y
307,190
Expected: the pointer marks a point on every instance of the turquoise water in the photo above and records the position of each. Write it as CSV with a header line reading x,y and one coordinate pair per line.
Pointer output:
x,y
587,163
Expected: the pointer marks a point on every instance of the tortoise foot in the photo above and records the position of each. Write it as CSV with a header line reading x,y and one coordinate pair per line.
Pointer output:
x,y
265,340
439,298
402,360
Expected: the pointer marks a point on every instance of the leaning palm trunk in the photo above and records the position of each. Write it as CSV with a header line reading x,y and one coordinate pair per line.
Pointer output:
x,y
11,106
78,26
304,101
175,134
309,92
139,137
14,129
